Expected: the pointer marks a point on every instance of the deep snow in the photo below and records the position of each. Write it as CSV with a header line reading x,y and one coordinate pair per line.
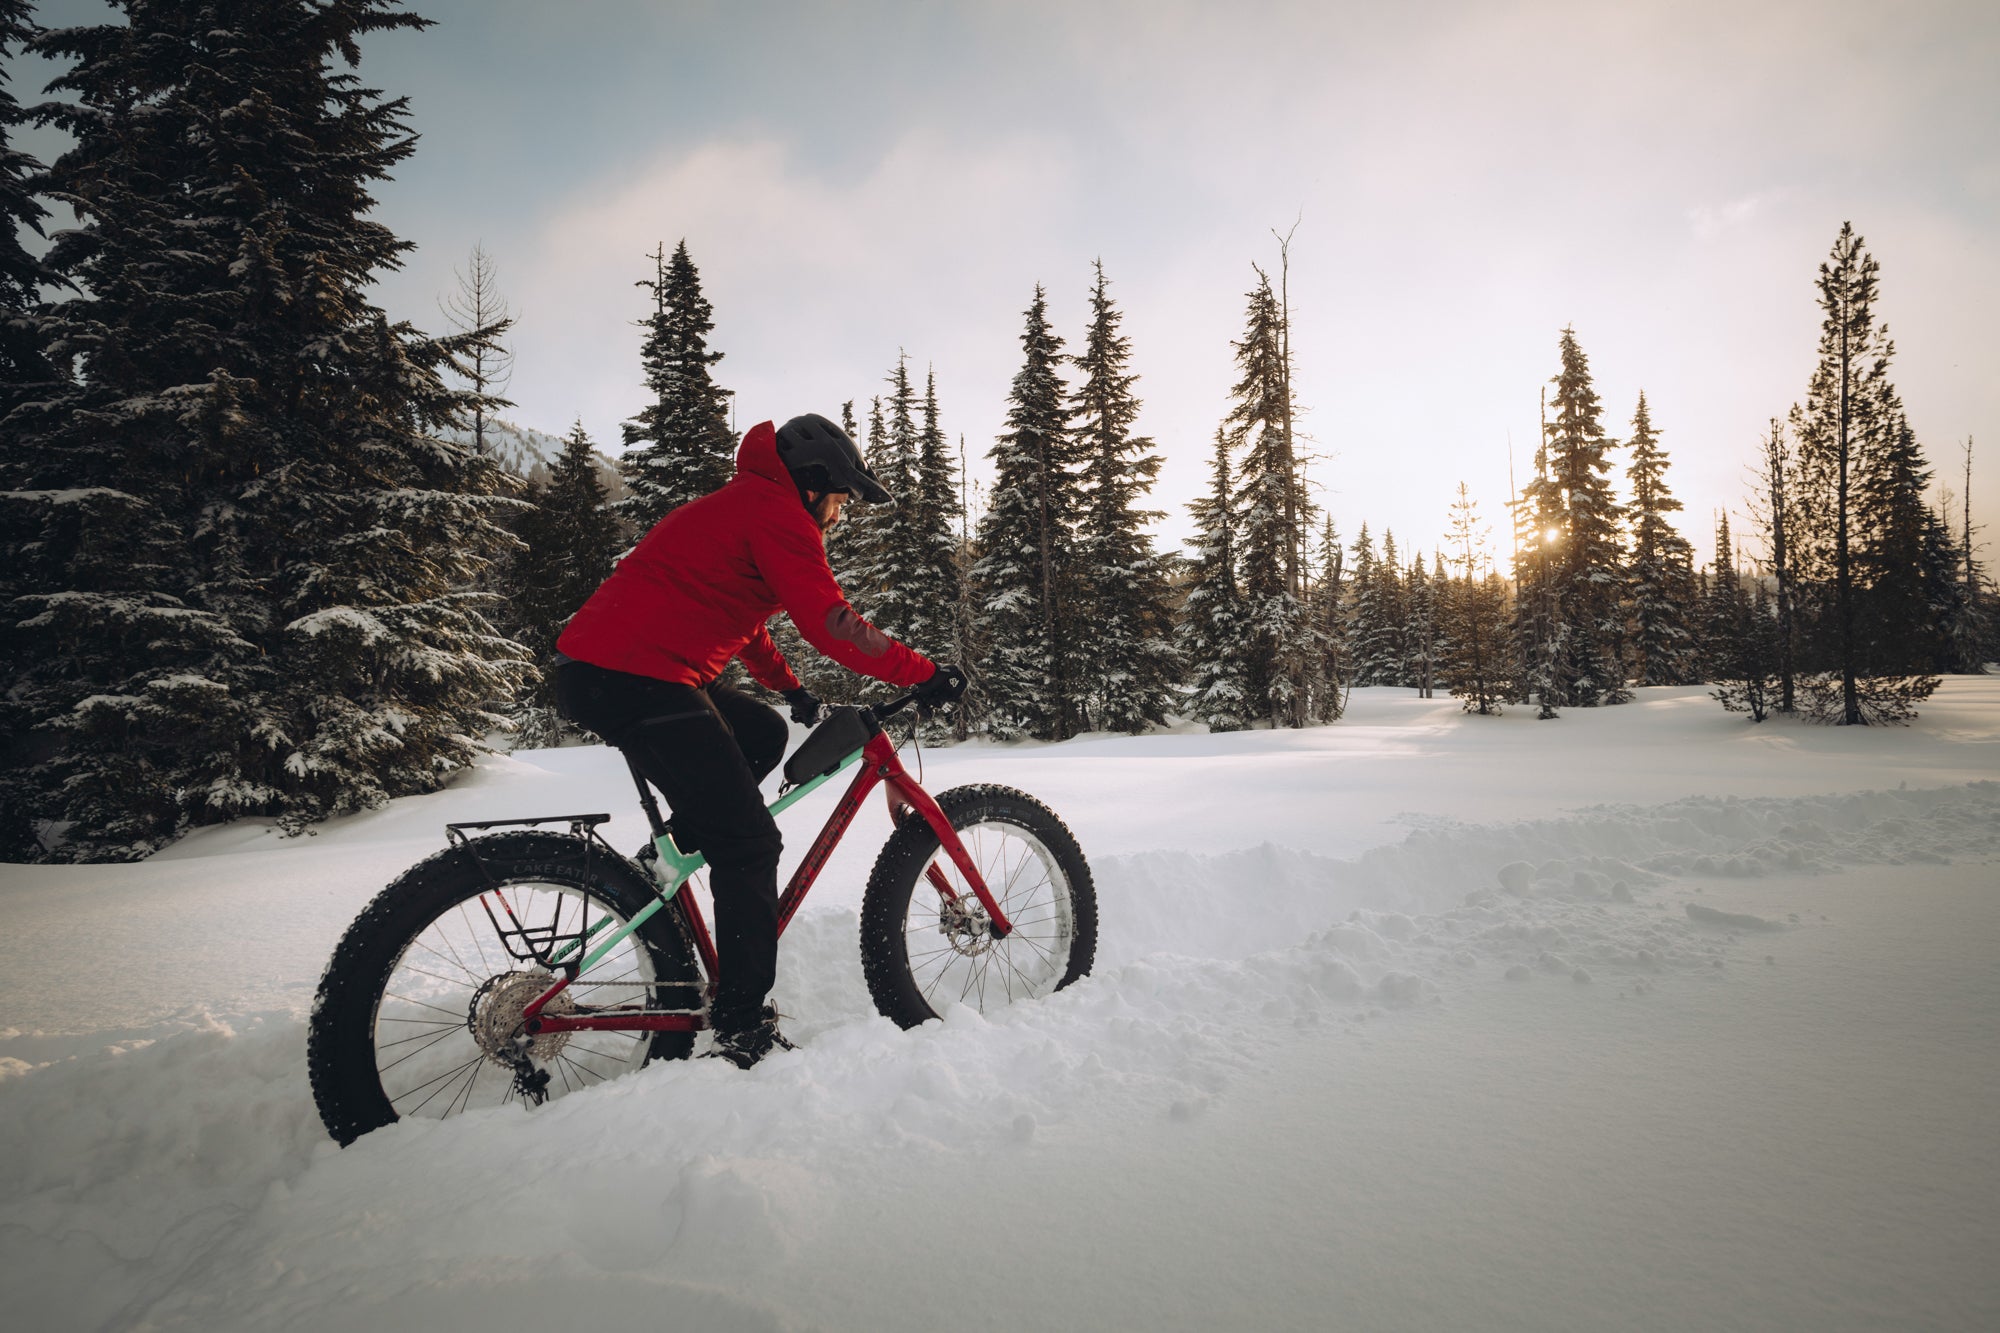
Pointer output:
x,y
1643,1018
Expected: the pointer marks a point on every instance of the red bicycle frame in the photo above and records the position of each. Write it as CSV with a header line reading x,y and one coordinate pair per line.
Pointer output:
x,y
878,764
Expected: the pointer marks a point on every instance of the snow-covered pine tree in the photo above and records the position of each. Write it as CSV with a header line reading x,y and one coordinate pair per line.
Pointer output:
x,y
1129,675
934,534
1904,560
1475,615
1540,637
1775,508
24,373
253,545
24,370
1659,581
1026,569
1326,609
1591,561
1849,455
1379,622
680,446
1211,628
1271,511
1723,600
1746,658
569,538
1366,613
895,574
1422,629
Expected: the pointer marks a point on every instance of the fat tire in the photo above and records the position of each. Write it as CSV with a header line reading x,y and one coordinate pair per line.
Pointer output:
x,y
885,905
340,1049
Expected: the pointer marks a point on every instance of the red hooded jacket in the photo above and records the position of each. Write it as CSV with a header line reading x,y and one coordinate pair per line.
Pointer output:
x,y
698,588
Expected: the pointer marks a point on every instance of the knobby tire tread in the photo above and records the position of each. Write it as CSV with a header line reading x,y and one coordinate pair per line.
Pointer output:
x,y
340,1058
884,907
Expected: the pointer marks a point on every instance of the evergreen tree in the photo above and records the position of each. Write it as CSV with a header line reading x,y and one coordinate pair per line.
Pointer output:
x,y
569,538
1379,621
1270,514
1367,616
1591,562
1659,580
1132,666
24,370
1025,572
1422,632
1971,634
1475,615
1723,602
1539,634
1326,611
680,447
1904,561
25,373
1746,658
251,543
1855,467
934,534
1212,640
900,553
1778,516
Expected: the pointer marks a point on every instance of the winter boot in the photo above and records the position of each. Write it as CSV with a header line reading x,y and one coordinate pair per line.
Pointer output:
x,y
744,1047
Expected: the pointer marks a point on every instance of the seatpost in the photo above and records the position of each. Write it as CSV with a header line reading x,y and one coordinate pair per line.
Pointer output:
x,y
646,801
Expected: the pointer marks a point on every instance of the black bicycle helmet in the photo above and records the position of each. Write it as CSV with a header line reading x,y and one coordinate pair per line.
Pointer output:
x,y
820,457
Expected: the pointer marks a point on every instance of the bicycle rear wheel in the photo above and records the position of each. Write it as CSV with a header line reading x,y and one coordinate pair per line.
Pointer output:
x,y
419,1012
924,951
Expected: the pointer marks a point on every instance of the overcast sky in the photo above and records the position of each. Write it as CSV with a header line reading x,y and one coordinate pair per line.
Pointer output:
x,y
853,179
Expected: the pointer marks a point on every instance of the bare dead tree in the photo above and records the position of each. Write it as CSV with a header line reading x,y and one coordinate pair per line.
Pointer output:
x,y
480,314
1293,521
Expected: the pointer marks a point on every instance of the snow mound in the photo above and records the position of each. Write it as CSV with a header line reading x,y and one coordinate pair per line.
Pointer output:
x,y
176,1176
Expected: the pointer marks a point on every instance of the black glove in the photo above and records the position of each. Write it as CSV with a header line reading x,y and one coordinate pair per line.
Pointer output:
x,y
945,686
805,706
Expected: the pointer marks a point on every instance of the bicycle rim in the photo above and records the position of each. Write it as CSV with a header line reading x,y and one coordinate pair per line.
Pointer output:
x,y
447,1024
953,958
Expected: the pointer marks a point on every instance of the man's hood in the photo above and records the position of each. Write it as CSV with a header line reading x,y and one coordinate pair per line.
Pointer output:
x,y
758,454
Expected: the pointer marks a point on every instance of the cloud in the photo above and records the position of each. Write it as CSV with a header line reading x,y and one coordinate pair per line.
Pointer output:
x,y
817,280
1710,222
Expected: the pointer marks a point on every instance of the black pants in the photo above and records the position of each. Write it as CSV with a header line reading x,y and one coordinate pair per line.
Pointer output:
x,y
705,749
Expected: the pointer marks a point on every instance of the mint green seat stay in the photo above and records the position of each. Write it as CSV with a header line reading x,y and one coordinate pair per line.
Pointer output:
x,y
676,867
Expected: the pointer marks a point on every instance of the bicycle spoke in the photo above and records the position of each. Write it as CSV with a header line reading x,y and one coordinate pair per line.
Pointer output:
x,y
419,1051
477,942
391,995
441,1080
404,1041
436,991
451,958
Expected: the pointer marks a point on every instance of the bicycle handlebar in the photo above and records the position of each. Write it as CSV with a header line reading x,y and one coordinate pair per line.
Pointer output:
x,y
884,711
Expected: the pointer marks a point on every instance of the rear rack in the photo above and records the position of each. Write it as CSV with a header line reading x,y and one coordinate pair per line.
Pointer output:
x,y
528,942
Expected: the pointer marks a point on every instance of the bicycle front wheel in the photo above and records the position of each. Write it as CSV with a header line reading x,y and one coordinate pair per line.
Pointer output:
x,y
924,950
420,1013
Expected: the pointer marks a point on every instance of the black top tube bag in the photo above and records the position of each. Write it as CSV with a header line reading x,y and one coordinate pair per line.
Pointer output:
x,y
845,730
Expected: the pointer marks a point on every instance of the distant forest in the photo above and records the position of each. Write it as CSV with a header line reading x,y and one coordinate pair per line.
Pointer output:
x,y
260,558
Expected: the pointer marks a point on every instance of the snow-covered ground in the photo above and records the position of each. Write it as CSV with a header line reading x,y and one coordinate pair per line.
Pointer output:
x,y
1645,1018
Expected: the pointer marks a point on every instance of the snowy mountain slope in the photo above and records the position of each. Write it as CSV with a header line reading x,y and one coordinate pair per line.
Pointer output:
x,y
529,453
1483,1072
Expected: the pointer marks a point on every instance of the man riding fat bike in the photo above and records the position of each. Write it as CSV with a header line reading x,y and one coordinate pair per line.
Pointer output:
x,y
639,665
